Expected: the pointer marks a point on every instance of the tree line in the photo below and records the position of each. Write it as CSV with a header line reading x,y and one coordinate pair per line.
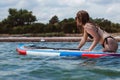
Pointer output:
x,y
23,21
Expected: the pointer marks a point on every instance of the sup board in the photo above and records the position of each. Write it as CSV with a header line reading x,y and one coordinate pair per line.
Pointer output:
x,y
25,49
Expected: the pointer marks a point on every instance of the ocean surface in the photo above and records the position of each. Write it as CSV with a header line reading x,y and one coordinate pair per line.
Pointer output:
x,y
19,67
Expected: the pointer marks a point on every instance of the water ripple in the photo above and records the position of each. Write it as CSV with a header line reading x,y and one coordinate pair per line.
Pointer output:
x,y
18,67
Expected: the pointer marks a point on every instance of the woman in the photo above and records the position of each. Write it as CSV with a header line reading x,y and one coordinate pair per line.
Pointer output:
x,y
94,32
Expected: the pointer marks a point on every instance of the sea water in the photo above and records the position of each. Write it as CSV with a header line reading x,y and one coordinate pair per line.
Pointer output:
x,y
19,67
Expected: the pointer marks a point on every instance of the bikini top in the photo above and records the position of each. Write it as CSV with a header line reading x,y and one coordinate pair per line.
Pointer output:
x,y
90,36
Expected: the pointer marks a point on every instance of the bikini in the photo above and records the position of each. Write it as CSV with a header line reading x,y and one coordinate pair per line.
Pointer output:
x,y
105,40
90,36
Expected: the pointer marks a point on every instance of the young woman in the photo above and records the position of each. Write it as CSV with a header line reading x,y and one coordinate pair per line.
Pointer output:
x,y
94,32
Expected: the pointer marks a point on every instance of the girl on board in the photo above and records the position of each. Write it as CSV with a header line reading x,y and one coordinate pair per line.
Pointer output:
x,y
94,32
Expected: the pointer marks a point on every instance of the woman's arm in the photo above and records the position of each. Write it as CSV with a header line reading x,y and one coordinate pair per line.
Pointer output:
x,y
94,43
96,37
83,40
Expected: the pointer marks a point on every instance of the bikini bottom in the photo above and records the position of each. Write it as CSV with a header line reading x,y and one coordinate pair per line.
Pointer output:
x,y
106,40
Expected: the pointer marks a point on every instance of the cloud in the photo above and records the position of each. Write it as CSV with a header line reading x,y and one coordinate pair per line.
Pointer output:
x,y
4,3
104,2
45,9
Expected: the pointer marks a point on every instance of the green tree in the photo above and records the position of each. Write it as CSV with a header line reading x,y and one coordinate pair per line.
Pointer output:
x,y
104,24
68,25
19,17
54,20
37,28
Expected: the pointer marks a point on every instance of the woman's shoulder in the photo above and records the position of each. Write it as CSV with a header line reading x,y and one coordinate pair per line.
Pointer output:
x,y
89,26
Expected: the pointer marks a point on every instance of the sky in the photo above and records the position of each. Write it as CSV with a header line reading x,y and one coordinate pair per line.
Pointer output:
x,y
44,10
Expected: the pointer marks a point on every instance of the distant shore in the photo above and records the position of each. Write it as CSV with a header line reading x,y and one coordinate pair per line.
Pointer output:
x,y
68,38
44,39
39,39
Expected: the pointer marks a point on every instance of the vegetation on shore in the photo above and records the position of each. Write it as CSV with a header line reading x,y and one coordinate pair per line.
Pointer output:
x,y
24,22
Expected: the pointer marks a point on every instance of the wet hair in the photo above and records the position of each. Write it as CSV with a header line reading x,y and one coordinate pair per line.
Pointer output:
x,y
82,16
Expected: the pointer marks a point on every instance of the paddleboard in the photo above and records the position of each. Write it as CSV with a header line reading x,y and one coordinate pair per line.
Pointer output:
x,y
26,49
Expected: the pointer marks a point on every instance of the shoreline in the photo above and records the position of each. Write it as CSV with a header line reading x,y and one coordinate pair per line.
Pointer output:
x,y
66,38
40,39
45,39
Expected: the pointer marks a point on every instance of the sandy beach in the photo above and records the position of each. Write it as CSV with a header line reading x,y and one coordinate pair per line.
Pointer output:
x,y
43,39
68,38
38,39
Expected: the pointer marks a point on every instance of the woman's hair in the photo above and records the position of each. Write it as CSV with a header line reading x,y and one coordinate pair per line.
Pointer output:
x,y
82,16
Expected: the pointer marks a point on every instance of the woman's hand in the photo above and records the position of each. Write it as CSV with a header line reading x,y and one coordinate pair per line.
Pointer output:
x,y
87,50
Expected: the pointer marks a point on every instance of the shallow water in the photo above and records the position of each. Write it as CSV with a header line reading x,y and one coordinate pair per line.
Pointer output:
x,y
18,67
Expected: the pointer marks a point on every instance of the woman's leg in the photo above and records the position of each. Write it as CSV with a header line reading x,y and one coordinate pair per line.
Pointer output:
x,y
111,45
